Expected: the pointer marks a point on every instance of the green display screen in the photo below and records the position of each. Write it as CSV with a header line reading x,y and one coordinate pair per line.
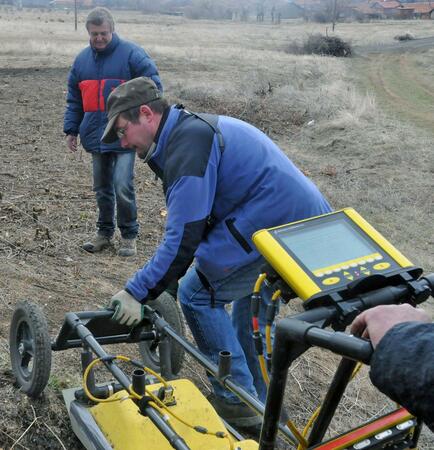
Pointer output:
x,y
323,244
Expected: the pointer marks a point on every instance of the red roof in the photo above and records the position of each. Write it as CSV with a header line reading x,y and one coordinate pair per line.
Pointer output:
x,y
420,7
388,4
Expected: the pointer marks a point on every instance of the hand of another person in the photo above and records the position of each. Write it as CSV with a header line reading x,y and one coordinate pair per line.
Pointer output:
x,y
128,311
376,322
71,142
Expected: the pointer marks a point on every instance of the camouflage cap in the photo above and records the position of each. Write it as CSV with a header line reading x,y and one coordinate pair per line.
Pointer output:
x,y
133,93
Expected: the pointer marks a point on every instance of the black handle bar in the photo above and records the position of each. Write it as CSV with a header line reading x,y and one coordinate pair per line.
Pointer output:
x,y
416,291
296,334
343,344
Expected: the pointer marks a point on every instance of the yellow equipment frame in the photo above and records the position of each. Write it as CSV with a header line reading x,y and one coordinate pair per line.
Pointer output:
x,y
296,276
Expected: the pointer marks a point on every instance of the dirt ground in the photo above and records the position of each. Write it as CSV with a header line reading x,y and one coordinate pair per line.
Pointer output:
x,y
47,211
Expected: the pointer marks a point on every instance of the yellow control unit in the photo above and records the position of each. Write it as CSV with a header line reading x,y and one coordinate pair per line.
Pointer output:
x,y
329,254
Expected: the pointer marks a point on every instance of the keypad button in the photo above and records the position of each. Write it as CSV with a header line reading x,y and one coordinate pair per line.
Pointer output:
x,y
381,266
331,280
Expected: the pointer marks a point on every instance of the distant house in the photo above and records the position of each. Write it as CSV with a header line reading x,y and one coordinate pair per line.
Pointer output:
x,y
393,9
387,9
405,11
366,11
422,10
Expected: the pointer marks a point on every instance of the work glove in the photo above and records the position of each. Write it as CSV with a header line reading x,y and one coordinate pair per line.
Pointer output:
x,y
128,311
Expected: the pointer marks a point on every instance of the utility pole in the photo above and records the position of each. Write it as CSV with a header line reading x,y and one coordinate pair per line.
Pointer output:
x,y
333,14
75,14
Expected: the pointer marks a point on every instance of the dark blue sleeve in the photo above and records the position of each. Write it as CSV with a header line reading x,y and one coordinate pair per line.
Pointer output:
x,y
189,202
74,105
142,65
402,367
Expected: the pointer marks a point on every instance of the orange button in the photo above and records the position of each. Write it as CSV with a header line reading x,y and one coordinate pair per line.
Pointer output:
x,y
331,280
381,266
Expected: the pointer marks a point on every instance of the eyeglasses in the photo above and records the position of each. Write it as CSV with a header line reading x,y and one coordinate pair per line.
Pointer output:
x,y
120,132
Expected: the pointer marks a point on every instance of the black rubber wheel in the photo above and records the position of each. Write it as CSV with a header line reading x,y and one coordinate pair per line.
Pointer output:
x,y
168,308
30,348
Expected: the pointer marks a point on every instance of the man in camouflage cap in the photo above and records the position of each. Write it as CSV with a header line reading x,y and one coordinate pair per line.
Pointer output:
x,y
223,180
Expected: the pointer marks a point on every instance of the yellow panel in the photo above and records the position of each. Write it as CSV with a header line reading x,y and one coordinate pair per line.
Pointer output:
x,y
285,265
378,238
305,220
126,429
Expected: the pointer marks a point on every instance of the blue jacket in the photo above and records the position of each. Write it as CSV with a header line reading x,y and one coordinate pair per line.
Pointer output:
x,y
94,74
218,197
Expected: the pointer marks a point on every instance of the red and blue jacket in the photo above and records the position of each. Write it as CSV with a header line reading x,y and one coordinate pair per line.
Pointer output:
x,y
223,180
94,74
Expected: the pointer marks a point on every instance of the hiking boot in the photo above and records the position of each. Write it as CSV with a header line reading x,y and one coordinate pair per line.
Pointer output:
x,y
99,243
238,415
128,247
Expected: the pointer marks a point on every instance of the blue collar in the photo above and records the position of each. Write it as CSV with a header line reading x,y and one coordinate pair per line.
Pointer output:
x,y
172,118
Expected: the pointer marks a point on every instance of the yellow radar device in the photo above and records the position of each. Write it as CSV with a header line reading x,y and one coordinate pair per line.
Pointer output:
x,y
327,258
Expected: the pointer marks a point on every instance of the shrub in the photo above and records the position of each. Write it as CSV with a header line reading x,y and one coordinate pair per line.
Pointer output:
x,y
319,44
404,37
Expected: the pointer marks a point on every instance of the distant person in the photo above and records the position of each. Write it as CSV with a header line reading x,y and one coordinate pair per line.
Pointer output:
x,y
223,180
402,366
102,66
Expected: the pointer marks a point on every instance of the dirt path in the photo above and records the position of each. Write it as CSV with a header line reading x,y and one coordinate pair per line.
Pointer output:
x,y
392,73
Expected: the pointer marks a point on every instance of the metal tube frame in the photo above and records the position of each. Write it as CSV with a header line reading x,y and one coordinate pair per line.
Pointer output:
x,y
288,347
286,350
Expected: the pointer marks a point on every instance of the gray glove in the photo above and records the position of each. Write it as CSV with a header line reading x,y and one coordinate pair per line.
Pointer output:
x,y
128,311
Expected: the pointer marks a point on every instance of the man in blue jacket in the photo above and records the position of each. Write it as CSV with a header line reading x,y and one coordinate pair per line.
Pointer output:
x,y
107,62
223,180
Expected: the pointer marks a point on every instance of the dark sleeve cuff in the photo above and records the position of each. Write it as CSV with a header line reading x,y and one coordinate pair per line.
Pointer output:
x,y
402,367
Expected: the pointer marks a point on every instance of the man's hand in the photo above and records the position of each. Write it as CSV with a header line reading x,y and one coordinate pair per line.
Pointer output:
x,y
376,322
71,142
128,311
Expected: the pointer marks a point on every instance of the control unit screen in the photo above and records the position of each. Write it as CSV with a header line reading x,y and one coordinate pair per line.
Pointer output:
x,y
326,243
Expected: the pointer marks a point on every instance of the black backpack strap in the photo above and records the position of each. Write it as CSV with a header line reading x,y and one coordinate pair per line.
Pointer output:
x,y
211,120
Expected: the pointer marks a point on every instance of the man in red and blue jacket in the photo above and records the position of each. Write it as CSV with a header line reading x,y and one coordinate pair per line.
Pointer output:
x,y
98,69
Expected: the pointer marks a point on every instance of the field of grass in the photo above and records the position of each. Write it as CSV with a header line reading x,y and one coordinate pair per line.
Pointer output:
x,y
328,115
